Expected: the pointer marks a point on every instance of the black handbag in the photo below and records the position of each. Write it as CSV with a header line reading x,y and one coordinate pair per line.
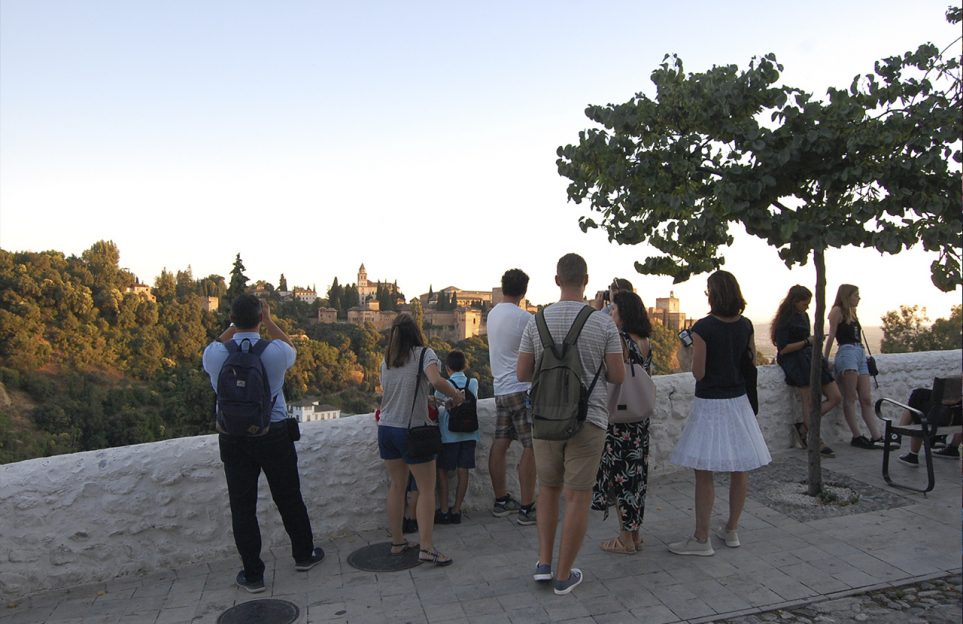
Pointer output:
x,y
870,360
747,366
424,441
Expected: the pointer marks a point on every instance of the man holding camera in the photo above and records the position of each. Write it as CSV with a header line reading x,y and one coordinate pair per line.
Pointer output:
x,y
244,457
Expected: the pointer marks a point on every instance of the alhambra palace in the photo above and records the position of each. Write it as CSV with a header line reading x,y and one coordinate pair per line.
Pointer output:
x,y
467,319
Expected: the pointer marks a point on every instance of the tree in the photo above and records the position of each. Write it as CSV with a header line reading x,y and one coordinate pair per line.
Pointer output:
x,y
334,297
418,313
282,283
238,282
906,331
869,166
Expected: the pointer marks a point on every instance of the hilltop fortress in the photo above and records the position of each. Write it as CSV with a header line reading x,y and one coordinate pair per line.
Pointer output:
x,y
453,314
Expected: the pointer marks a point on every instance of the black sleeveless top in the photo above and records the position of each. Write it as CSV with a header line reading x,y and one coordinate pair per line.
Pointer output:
x,y
848,333
725,344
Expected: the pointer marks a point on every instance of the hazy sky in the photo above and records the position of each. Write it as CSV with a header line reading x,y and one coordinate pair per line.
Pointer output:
x,y
418,138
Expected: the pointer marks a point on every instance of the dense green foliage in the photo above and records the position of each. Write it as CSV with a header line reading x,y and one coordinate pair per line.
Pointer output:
x,y
907,330
88,362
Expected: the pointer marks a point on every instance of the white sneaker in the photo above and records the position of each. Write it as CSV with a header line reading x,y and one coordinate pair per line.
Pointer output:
x,y
692,546
731,538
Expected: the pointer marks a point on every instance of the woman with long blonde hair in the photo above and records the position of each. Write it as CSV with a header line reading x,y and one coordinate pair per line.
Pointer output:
x,y
850,366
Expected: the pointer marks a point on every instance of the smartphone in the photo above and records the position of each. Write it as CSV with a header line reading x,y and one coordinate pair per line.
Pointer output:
x,y
686,338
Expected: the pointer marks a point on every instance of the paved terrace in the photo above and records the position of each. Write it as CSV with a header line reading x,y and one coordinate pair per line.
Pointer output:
x,y
784,562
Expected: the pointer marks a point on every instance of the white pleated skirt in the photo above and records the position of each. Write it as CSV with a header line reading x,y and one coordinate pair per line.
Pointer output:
x,y
721,435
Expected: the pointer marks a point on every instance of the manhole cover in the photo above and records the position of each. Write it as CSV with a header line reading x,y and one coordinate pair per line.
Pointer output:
x,y
268,611
378,558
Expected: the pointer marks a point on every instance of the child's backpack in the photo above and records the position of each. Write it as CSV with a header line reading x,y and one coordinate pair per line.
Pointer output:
x,y
464,418
244,401
559,399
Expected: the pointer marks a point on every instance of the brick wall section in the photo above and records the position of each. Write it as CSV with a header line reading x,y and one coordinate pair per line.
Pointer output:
x,y
89,517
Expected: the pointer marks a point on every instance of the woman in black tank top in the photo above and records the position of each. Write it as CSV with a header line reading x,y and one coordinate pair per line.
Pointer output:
x,y
850,364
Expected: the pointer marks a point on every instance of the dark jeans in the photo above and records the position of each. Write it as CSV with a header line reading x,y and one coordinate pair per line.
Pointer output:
x,y
244,458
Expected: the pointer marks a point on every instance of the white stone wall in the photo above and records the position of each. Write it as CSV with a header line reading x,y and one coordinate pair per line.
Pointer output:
x,y
93,516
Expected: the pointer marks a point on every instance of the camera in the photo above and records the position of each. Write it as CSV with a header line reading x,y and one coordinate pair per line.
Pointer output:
x,y
686,338
605,295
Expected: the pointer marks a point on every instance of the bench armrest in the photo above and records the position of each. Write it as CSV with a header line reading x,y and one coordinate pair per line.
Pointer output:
x,y
879,405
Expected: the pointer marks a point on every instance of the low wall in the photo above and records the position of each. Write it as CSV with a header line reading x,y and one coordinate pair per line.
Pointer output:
x,y
89,517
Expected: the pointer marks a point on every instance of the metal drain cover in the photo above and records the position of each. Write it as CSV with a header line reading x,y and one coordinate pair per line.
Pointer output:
x,y
378,558
267,611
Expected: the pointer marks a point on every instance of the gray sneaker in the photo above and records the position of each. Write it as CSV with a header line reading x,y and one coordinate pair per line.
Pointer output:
x,y
505,507
573,580
526,517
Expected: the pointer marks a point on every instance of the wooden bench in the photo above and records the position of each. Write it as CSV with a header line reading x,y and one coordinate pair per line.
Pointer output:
x,y
946,391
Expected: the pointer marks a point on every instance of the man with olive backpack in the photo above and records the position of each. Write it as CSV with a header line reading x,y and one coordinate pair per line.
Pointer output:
x,y
569,412
247,373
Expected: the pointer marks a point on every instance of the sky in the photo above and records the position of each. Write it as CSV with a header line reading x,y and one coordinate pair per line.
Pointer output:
x,y
417,138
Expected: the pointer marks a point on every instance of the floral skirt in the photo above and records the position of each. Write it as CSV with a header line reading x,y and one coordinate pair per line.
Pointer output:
x,y
623,473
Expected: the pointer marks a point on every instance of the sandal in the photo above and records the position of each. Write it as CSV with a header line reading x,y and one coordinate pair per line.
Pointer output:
x,y
435,557
400,549
615,545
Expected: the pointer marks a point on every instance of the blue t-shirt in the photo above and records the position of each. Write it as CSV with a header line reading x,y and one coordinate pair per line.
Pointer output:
x,y
449,437
277,359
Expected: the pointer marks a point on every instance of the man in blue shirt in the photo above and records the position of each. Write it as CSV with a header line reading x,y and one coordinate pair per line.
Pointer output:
x,y
244,457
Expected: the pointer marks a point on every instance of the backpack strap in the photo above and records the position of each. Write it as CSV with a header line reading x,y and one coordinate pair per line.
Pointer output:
x,y
543,334
259,347
414,399
573,333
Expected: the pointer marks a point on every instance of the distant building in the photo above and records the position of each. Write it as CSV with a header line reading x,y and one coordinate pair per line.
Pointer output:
x,y
210,304
668,313
143,290
307,295
327,315
368,289
310,411
453,325
381,319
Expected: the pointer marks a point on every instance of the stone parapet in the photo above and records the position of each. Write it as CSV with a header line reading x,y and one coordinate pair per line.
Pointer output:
x,y
88,517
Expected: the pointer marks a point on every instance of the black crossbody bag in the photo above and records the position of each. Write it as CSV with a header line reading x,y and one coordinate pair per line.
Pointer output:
x,y
423,440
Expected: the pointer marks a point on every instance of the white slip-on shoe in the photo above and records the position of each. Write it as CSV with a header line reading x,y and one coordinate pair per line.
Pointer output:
x,y
692,546
731,538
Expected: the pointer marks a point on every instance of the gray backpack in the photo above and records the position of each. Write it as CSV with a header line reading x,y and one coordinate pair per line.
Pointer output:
x,y
558,396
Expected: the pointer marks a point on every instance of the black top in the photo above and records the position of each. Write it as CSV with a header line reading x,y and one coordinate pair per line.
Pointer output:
x,y
635,354
793,329
848,333
725,344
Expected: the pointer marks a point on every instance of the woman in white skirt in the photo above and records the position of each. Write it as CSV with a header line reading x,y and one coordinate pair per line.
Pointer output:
x,y
722,434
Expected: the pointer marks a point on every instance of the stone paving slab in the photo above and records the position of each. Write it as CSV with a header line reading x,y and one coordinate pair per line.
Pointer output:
x,y
786,568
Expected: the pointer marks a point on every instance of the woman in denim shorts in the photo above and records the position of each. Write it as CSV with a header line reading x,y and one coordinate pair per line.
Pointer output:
x,y
850,365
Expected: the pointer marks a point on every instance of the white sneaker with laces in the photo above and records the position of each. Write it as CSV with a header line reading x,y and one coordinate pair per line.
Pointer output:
x,y
692,546
731,538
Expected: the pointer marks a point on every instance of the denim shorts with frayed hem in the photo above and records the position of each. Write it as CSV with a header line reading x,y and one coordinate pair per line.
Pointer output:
x,y
850,357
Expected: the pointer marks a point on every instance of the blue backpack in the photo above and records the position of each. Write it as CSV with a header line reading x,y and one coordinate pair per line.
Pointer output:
x,y
244,401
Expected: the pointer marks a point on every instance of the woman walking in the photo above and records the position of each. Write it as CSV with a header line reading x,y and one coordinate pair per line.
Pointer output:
x,y
790,332
721,434
850,365
623,472
405,404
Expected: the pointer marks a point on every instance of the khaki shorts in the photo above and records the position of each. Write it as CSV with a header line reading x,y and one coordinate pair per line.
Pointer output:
x,y
573,463
513,419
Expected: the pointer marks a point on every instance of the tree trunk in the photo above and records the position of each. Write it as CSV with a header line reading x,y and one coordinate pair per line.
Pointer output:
x,y
815,376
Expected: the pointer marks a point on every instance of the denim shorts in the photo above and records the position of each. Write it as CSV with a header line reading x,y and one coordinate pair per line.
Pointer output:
x,y
393,444
850,357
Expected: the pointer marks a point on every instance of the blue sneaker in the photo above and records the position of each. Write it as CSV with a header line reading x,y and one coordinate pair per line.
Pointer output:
x,y
564,587
317,555
543,572
252,585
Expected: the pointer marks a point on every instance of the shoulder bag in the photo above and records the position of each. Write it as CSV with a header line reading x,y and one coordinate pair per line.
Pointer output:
x,y
424,440
747,366
633,400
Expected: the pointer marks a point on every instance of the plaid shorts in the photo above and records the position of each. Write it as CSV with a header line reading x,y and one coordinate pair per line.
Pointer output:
x,y
513,419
